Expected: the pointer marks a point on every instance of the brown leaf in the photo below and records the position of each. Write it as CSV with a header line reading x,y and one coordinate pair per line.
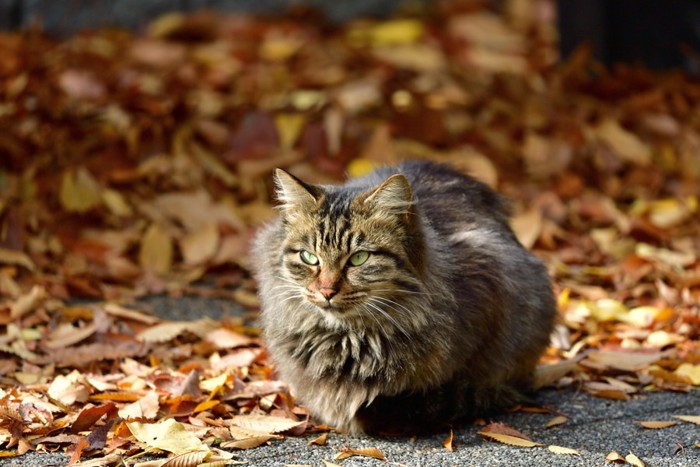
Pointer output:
x,y
201,245
656,425
615,457
556,421
346,452
28,302
156,253
447,442
509,439
319,440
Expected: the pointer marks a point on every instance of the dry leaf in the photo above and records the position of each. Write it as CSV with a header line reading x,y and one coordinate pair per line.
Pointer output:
x,y
689,418
447,442
689,371
156,253
188,459
615,457
319,440
329,464
346,452
655,425
201,245
509,439
167,435
264,423
634,460
28,302
163,332
80,192
563,450
556,421
527,227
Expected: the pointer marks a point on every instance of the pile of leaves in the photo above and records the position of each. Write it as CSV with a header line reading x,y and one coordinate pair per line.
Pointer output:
x,y
139,164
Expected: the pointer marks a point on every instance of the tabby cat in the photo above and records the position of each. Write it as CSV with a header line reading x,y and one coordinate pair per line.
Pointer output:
x,y
400,301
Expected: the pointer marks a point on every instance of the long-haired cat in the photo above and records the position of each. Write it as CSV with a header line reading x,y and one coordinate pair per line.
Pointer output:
x,y
400,301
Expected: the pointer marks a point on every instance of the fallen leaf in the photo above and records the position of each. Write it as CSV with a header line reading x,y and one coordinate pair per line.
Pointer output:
x,y
319,440
201,245
689,418
28,302
509,439
556,421
167,435
615,457
265,423
656,425
447,442
79,192
563,450
634,460
346,452
690,371
156,253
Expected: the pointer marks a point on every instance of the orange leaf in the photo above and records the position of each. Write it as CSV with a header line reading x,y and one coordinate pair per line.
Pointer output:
x,y
364,452
510,440
656,425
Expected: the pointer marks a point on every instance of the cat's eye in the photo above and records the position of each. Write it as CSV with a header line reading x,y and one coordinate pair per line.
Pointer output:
x,y
359,258
308,257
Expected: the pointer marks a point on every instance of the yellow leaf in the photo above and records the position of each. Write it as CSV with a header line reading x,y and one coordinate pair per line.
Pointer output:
x,y
201,245
213,384
265,423
510,440
634,460
690,371
641,316
79,191
328,463
167,435
247,443
657,424
116,203
359,167
556,421
563,450
289,126
666,213
396,32
689,418
188,459
156,253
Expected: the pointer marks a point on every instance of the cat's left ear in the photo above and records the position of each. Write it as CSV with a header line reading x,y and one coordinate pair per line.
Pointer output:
x,y
393,195
293,193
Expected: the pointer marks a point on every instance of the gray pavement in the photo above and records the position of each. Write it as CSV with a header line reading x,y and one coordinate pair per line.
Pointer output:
x,y
595,428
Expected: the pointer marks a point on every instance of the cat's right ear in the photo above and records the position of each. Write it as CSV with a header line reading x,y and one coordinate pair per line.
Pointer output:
x,y
293,194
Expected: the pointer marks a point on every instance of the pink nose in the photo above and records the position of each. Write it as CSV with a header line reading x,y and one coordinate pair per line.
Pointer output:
x,y
328,292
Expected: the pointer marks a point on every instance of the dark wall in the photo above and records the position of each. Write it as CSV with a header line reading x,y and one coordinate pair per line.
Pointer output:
x,y
63,17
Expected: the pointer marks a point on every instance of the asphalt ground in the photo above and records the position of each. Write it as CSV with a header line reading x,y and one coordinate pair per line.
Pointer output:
x,y
595,427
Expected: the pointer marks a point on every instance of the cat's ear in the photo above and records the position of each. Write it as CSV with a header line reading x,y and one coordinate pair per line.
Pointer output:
x,y
292,193
393,195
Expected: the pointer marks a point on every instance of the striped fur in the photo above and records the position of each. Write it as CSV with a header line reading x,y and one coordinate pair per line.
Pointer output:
x,y
445,320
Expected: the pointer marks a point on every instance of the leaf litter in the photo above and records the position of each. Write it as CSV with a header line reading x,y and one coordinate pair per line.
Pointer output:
x,y
140,165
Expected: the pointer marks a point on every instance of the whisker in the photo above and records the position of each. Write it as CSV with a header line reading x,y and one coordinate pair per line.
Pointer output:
x,y
390,318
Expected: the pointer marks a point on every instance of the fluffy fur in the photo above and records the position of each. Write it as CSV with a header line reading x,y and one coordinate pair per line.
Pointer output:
x,y
445,319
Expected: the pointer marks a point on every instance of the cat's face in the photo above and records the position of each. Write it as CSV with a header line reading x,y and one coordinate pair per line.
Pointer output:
x,y
347,252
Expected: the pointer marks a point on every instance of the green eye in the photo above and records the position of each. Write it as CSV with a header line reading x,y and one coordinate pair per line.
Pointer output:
x,y
309,258
359,258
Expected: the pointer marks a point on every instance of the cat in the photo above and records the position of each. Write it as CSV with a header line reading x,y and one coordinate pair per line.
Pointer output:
x,y
400,301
